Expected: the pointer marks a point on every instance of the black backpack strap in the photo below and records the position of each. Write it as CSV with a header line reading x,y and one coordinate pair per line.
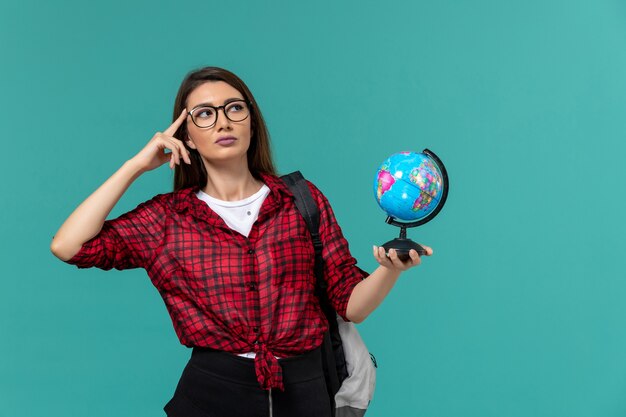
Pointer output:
x,y
335,367
311,214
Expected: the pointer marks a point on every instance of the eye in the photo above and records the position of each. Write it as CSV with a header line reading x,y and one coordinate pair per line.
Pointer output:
x,y
204,113
236,107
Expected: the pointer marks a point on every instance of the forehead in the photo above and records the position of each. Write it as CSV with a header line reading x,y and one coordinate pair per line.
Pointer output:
x,y
212,92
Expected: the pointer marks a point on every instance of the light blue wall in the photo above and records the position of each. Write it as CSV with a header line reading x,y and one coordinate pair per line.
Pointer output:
x,y
519,313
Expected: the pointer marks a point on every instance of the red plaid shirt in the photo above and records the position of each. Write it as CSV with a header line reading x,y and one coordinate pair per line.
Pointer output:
x,y
223,290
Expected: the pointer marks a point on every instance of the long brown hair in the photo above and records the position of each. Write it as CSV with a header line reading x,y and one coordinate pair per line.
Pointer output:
x,y
259,152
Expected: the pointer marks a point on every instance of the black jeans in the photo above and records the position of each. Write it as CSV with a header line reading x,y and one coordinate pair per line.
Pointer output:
x,y
220,384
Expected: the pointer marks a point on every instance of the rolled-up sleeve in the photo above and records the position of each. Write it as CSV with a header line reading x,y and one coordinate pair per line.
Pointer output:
x,y
340,269
129,241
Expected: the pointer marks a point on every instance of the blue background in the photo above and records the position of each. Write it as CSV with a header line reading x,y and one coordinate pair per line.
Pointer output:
x,y
521,310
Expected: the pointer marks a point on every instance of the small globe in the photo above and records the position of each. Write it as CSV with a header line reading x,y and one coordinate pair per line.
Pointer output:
x,y
408,186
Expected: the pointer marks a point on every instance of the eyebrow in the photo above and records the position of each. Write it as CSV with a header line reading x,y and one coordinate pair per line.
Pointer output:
x,y
228,100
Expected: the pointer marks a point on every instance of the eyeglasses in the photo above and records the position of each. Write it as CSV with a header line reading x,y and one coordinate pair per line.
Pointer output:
x,y
206,116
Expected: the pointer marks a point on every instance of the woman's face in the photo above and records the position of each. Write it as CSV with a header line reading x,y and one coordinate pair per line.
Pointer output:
x,y
226,141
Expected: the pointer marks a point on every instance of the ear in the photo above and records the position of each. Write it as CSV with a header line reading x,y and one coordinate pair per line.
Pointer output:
x,y
190,143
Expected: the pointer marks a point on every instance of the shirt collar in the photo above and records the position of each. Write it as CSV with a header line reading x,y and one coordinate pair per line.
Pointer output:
x,y
185,199
277,186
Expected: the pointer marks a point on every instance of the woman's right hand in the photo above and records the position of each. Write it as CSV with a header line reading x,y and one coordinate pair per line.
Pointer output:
x,y
154,154
87,219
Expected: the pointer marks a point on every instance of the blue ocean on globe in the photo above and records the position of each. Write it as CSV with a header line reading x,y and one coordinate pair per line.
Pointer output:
x,y
408,186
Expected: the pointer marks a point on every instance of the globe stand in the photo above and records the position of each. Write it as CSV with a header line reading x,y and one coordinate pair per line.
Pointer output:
x,y
402,244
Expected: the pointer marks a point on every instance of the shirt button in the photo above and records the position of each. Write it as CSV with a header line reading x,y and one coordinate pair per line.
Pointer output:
x,y
252,286
255,329
251,251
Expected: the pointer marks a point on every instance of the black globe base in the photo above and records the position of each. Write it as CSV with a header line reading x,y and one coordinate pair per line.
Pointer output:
x,y
402,247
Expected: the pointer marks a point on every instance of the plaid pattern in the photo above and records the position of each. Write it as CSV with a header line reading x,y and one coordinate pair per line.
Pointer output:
x,y
223,290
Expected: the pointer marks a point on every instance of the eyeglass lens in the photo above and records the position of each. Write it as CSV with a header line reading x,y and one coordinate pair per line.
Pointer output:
x,y
235,111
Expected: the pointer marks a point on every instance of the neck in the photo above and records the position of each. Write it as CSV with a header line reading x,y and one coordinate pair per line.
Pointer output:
x,y
231,183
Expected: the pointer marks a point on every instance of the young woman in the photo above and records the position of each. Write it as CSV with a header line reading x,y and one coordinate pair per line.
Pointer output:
x,y
231,256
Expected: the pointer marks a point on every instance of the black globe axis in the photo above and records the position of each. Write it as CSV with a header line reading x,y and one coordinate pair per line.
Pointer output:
x,y
403,246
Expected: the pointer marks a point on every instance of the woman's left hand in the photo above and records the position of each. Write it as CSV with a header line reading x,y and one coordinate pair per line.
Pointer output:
x,y
393,262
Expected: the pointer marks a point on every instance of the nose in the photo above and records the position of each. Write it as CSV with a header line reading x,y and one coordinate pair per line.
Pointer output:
x,y
221,122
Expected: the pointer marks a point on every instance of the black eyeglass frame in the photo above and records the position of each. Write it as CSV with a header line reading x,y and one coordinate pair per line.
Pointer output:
x,y
217,108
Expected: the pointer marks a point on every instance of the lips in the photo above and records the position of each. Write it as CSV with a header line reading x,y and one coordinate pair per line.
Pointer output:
x,y
226,140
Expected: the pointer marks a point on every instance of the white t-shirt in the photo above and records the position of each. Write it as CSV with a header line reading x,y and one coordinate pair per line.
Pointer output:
x,y
238,215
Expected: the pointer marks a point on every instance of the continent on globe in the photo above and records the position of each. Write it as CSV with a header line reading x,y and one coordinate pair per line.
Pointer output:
x,y
384,183
422,202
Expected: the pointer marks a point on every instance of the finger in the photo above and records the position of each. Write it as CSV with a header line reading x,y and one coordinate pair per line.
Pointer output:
x,y
381,257
179,145
415,257
395,261
393,258
387,260
186,156
377,255
173,147
166,144
174,126
428,249
179,154
184,153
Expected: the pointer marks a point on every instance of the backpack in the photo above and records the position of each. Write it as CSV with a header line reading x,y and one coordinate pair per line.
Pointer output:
x,y
349,368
